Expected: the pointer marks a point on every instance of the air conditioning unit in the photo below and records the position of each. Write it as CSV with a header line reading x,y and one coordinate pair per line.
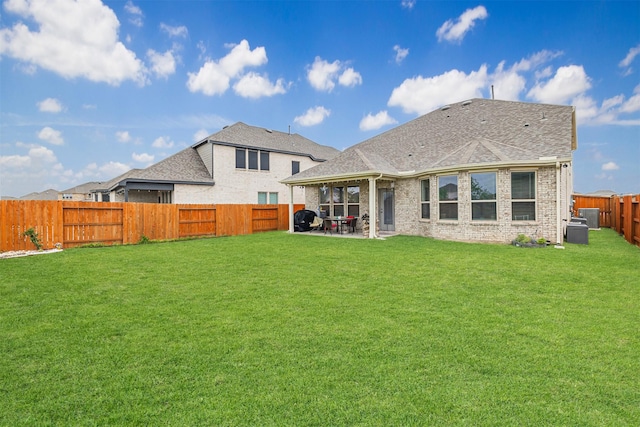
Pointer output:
x,y
592,215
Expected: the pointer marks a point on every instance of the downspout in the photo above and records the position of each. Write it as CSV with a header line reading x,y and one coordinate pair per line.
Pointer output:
x,y
373,213
559,237
291,230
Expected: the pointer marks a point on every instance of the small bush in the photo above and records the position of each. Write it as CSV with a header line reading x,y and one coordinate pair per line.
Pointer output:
x,y
523,238
33,236
143,240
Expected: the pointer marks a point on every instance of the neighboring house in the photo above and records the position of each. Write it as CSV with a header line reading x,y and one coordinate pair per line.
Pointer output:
x,y
79,193
49,194
478,170
239,164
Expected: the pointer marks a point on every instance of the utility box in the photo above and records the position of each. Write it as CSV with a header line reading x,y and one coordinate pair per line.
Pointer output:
x,y
577,233
592,215
579,220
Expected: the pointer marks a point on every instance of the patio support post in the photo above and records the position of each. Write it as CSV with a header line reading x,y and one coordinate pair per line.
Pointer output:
x,y
291,230
373,217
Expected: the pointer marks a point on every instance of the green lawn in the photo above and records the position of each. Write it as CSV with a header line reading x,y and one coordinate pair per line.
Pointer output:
x,y
279,329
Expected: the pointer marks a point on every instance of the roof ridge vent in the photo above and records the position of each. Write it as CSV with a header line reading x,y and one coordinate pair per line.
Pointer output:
x,y
269,130
445,107
465,103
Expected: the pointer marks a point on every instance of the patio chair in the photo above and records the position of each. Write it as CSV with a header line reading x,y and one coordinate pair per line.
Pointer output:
x,y
351,223
316,224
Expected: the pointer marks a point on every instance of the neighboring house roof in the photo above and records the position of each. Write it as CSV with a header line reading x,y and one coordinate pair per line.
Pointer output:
x,y
242,135
82,188
185,166
473,133
49,194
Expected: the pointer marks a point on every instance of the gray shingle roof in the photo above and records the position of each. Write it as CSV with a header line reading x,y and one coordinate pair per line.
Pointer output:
x,y
466,134
242,135
185,166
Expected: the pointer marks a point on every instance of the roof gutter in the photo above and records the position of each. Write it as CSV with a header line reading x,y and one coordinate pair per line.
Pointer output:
x,y
548,162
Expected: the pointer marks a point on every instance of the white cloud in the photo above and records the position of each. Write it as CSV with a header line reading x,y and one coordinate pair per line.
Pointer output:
x,y
42,154
507,84
143,158
135,12
322,75
112,169
313,116
162,64
72,39
537,59
180,31
162,142
50,105
610,166
626,62
408,4
567,83
214,77
372,122
350,78
253,85
123,136
455,31
14,162
400,53
51,136
421,95
632,104
200,135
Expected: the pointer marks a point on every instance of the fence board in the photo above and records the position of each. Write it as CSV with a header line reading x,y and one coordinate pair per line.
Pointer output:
x,y
78,223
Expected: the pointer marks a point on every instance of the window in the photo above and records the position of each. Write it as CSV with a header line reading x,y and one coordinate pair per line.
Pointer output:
x,y
264,160
448,197
253,159
333,202
483,196
241,158
263,196
295,167
338,201
523,196
425,197
353,200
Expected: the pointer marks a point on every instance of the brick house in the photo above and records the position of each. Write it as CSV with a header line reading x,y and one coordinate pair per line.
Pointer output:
x,y
479,170
240,164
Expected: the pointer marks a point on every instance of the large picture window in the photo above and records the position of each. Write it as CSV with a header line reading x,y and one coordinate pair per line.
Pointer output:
x,y
483,196
425,199
523,196
334,202
448,197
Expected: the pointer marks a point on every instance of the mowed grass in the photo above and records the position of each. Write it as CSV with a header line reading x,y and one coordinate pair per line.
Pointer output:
x,y
279,329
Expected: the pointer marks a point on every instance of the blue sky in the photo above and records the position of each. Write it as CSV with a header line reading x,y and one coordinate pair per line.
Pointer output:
x,y
89,90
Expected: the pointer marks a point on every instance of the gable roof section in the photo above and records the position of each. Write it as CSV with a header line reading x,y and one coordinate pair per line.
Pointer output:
x,y
245,136
184,167
475,133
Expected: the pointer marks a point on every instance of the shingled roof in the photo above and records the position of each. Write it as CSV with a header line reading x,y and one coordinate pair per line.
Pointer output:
x,y
185,166
474,133
242,135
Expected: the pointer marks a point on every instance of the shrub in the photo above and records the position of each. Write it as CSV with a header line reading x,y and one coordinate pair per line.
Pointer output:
x,y
33,236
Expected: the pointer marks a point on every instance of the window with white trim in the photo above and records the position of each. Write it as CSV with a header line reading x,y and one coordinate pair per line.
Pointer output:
x,y
523,196
448,197
483,196
265,197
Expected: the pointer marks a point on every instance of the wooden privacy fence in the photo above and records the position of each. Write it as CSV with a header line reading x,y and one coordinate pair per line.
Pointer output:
x,y
622,213
80,223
